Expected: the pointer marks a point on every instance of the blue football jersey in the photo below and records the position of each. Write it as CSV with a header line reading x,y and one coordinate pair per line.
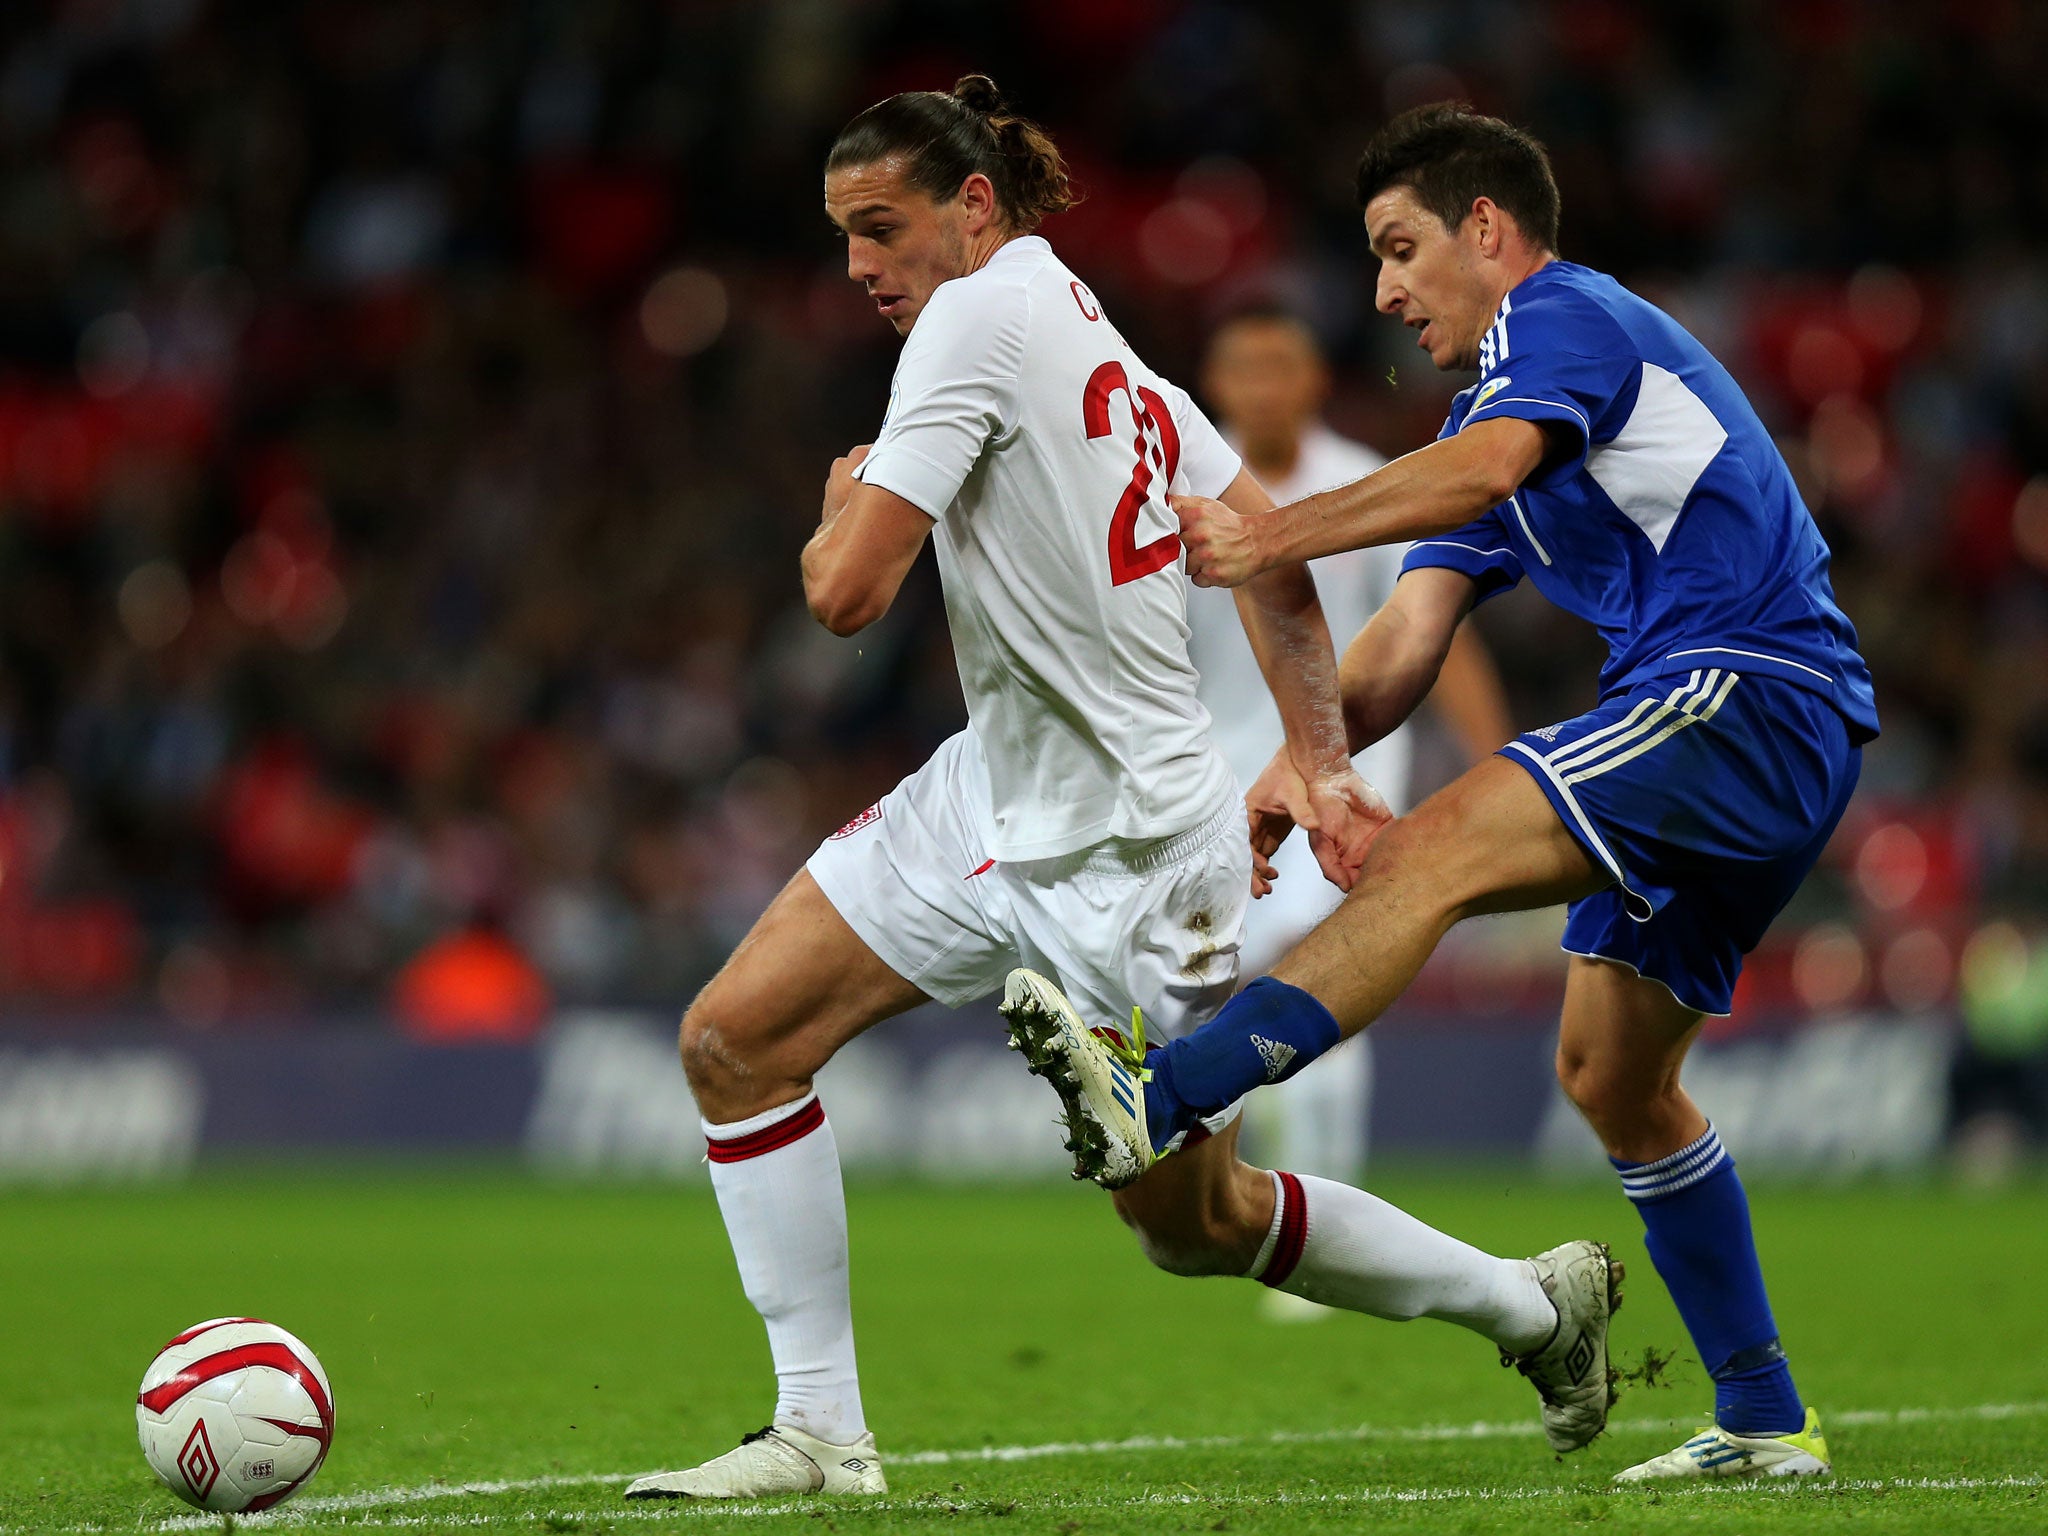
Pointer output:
x,y
1671,522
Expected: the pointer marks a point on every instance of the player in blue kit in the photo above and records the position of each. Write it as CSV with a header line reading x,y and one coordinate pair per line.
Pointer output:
x,y
1606,456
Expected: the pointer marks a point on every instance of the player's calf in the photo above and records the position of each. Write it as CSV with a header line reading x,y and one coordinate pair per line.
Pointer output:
x,y
1201,1211
1619,1052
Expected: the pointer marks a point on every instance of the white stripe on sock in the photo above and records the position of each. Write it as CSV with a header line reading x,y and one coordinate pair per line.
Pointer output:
x,y
1680,1170
1692,1160
1671,1160
738,1128
1272,1232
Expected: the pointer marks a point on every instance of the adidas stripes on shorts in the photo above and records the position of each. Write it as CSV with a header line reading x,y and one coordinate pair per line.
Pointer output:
x,y
1709,798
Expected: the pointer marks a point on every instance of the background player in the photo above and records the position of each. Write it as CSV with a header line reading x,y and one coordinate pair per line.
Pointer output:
x,y
1082,824
1606,455
1267,379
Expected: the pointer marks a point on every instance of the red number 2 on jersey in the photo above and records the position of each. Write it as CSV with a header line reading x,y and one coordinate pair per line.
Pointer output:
x,y
1158,447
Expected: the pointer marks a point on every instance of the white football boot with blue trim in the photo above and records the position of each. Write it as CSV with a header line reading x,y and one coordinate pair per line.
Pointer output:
x,y
1714,1452
1100,1081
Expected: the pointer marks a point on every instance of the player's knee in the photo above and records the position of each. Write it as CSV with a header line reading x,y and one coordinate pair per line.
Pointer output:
x,y
1415,853
1590,1088
715,1060
1396,850
1616,1098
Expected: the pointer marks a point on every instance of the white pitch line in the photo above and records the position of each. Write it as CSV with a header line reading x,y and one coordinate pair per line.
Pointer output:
x,y
300,1510
1514,1429
1056,1503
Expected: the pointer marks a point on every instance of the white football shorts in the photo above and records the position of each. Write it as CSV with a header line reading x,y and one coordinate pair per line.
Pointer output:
x,y
1156,924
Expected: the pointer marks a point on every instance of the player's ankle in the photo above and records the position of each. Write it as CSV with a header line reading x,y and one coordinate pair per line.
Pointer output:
x,y
1166,1116
1759,1402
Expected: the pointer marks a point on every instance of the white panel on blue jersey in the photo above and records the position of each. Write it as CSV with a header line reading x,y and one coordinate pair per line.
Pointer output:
x,y
1655,461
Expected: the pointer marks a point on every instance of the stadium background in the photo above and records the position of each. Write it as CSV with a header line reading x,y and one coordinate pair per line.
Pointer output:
x,y
410,415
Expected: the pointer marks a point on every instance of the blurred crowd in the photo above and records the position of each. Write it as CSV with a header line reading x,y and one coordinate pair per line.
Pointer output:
x,y
410,414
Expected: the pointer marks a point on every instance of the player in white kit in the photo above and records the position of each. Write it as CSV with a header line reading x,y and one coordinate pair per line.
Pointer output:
x,y
1265,376
1082,825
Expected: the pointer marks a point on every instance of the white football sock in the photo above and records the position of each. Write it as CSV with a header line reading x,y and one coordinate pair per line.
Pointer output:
x,y
777,1179
1346,1248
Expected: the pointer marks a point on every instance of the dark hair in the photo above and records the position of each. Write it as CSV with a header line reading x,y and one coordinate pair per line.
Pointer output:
x,y
945,137
1266,312
1450,155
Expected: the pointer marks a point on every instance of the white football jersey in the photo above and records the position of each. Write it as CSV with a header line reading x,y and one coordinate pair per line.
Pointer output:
x,y
1352,585
1043,449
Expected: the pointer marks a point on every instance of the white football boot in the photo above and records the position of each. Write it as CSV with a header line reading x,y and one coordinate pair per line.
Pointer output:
x,y
778,1459
1101,1086
1714,1452
1570,1371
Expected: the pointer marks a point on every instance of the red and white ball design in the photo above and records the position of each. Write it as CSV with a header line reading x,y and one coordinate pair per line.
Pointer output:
x,y
235,1414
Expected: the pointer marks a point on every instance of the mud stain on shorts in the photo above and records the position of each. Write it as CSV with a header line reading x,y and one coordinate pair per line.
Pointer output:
x,y
1202,925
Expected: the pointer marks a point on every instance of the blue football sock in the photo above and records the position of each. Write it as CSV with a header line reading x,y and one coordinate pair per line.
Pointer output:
x,y
1265,1034
1696,1226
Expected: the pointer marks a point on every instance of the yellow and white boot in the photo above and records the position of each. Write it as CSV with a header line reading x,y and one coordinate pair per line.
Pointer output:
x,y
1714,1452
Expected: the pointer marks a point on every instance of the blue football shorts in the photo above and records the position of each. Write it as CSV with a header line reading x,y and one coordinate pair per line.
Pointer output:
x,y
1708,798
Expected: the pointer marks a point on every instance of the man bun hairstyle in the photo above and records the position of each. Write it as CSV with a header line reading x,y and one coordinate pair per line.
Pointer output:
x,y
943,137
1448,154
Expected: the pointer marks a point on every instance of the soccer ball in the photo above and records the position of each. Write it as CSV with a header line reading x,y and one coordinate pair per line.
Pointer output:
x,y
234,1414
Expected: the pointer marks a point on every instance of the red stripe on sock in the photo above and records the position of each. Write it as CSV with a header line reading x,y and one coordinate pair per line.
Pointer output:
x,y
770,1138
1293,1232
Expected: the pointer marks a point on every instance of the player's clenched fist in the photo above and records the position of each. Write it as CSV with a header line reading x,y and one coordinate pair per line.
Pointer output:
x,y
1220,546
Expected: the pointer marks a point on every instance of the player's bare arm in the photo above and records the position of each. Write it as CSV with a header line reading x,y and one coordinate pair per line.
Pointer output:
x,y
1283,618
1417,496
1392,664
866,543
1468,696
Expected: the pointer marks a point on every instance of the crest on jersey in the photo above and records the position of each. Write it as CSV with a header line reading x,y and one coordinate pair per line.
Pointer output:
x,y
866,818
1489,389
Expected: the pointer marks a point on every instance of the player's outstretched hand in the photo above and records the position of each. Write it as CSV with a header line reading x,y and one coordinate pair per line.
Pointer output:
x,y
1219,543
839,484
1271,806
1348,814
1341,813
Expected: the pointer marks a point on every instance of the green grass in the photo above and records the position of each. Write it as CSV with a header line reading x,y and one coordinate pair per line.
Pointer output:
x,y
478,1326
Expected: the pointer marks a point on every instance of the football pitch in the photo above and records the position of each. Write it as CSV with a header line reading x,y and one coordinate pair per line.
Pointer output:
x,y
505,1353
